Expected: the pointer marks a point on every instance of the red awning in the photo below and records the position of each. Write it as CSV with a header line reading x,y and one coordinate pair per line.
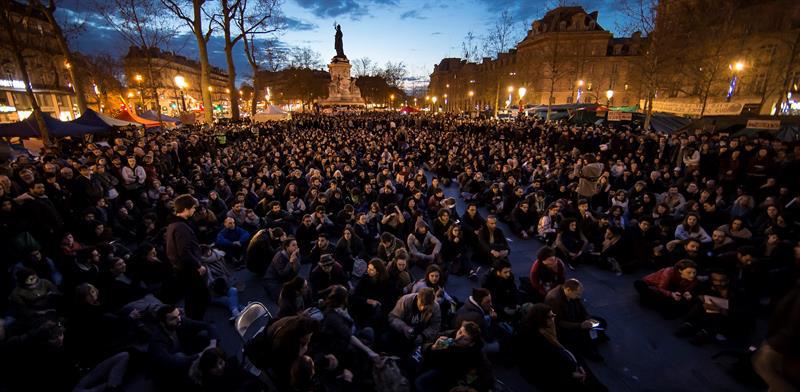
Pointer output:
x,y
128,116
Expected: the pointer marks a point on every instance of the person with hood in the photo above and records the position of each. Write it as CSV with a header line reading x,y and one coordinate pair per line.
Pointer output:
x,y
423,247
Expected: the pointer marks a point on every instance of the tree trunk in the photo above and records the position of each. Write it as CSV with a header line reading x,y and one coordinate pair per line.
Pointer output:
x,y
205,67
19,59
233,95
648,110
151,80
75,75
254,98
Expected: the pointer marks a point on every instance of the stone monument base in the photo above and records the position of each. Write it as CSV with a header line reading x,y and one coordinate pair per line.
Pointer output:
x,y
342,90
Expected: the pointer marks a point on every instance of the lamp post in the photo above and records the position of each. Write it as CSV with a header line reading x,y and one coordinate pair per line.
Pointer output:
x,y
609,95
580,91
181,83
446,109
735,69
510,90
434,99
471,94
427,99
139,79
522,91
391,101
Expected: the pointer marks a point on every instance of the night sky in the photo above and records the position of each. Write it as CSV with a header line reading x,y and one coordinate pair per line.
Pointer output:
x,y
416,32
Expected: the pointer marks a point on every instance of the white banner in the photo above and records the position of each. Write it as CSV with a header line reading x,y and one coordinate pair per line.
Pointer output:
x,y
693,109
764,124
619,116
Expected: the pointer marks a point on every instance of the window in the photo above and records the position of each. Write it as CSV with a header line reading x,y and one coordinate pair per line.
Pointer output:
x,y
569,99
21,101
4,99
44,100
62,101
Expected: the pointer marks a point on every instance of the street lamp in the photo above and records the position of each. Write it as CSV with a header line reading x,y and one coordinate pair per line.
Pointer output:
x,y
580,91
391,98
181,83
735,69
445,101
521,91
609,95
471,94
139,79
434,99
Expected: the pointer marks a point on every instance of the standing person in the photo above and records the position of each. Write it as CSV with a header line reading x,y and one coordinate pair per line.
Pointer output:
x,y
183,251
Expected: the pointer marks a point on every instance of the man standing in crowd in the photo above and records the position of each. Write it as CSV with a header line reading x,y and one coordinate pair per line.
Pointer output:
x,y
183,251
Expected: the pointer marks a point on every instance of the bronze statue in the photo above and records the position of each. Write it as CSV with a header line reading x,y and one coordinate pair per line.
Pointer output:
x,y
338,44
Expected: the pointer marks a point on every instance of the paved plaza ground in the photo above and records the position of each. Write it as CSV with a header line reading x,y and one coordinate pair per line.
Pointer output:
x,y
643,354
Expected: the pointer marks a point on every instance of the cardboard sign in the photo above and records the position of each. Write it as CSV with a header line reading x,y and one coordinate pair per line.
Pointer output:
x,y
619,116
764,124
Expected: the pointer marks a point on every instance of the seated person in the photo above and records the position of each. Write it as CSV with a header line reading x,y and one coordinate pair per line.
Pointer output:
x,y
349,248
502,285
337,334
232,240
690,228
326,274
492,243
572,320
709,316
479,309
34,300
523,220
388,245
546,272
284,267
571,245
455,360
669,290
543,361
423,247
220,281
322,247
373,295
415,319
400,277
176,343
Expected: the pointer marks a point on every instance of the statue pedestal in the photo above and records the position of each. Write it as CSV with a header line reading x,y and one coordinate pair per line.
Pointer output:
x,y
342,90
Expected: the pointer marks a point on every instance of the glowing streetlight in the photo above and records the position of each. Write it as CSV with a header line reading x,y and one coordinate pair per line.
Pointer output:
x,y
241,92
67,65
737,66
471,93
180,81
510,89
138,78
609,95
210,88
521,92
227,90
130,94
580,83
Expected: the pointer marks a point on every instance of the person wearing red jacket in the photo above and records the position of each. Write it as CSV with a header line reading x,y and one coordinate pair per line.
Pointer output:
x,y
669,290
546,272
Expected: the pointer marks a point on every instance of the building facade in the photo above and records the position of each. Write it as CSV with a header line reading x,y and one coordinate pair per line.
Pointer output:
x,y
566,57
176,80
45,65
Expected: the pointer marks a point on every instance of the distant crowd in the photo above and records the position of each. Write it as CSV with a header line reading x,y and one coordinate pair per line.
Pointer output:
x,y
115,249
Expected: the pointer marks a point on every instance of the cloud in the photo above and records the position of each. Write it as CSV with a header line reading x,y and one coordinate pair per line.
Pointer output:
x,y
412,14
610,11
355,9
436,33
298,24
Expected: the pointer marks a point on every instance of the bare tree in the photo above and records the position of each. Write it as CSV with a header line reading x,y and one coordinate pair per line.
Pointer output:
x,y
470,48
364,66
10,22
48,10
394,73
304,57
259,14
105,73
269,53
191,12
502,35
142,24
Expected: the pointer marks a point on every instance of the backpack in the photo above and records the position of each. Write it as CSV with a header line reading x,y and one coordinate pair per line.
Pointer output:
x,y
387,376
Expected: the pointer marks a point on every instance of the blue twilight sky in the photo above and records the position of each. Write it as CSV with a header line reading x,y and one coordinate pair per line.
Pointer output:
x,y
417,32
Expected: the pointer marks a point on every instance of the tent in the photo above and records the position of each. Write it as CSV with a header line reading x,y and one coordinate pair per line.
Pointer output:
x,y
92,118
28,128
272,113
128,116
667,123
408,109
789,133
153,116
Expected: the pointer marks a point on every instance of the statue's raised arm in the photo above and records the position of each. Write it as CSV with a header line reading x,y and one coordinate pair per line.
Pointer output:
x,y
338,44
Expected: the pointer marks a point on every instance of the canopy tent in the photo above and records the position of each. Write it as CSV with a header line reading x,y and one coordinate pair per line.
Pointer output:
x,y
128,116
626,109
92,118
666,123
789,133
272,113
153,116
408,109
29,128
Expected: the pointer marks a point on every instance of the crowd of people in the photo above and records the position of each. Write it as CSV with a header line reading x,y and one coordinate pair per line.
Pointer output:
x,y
115,249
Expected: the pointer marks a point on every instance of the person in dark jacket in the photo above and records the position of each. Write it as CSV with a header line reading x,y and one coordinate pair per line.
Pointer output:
x,y
284,267
479,309
294,298
492,244
455,359
183,251
260,250
522,220
232,240
546,272
572,319
373,295
176,343
502,285
327,273
543,361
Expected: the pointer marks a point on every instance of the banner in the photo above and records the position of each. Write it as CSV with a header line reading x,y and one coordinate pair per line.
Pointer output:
x,y
693,109
619,116
764,124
